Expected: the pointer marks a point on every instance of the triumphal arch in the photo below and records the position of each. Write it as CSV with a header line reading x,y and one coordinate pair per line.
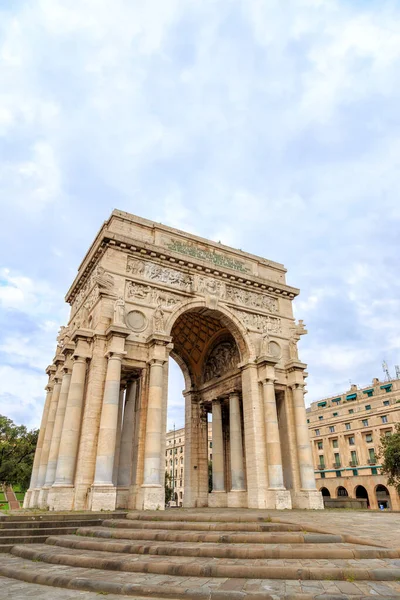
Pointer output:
x,y
145,292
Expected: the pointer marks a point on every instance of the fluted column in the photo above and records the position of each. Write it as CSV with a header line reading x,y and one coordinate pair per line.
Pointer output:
x,y
69,442
108,422
218,478
236,444
274,454
153,471
307,476
57,430
42,500
30,500
125,456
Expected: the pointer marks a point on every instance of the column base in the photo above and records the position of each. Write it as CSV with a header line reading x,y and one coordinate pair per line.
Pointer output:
x,y
103,497
34,501
279,499
153,497
308,499
61,497
42,498
27,499
122,497
218,500
237,499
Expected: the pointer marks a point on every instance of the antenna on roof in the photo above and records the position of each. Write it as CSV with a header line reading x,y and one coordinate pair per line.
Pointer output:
x,y
397,371
386,370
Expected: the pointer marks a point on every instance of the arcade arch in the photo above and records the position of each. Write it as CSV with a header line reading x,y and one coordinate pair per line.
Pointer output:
x,y
325,492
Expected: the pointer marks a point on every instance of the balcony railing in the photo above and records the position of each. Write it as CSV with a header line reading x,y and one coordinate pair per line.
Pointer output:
x,y
337,464
321,467
353,463
372,461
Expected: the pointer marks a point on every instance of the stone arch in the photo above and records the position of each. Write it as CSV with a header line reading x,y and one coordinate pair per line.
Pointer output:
x,y
228,319
341,492
361,492
325,492
382,495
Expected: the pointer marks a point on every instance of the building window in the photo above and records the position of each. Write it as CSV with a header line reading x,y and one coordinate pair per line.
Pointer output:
x,y
320,445
368,407
368,438
170,462
351,411
388,433
353,454
179,441
347,425
384,419
335,414
308,420
351,440
210,444
331,429
369,393
320,417
181,449
386,403
371,452
365,422
335,444
322,461
181,460
317,432
337,459
170,452
180,483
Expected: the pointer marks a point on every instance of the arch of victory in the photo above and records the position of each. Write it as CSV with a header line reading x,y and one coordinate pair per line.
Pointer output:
x,y
145,292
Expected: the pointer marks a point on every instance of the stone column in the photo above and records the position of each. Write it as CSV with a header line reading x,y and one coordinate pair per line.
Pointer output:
x,y
69,442
58,425
31,496
307,476
218,475
104,492
42,497
153,480
236,444
274,456
125,460
121,410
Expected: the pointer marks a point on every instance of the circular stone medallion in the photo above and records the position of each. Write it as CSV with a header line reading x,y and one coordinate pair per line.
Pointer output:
x,y
274,349
136,320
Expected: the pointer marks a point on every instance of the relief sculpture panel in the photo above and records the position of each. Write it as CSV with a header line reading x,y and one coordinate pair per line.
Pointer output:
x,y
262,323
149,295
252,299
223,358
157,273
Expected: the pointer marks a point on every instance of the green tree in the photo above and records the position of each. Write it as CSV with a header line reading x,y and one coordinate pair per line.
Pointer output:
x,y
389,455
17,451
168,487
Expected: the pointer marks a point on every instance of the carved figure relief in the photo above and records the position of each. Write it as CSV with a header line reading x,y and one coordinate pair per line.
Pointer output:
x,y
104,280
160,274
296,331
159,319
263,323
223,358
252,299
145,293
203,253
119,312
210,286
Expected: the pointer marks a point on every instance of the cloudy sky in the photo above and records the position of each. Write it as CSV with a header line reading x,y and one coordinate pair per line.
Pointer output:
x,y
271,126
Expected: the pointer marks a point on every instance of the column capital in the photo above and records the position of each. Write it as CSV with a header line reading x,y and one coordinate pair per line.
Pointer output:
x,y
156,361
78,358
49,387
268,380
297,386
112,354
50,370
234,394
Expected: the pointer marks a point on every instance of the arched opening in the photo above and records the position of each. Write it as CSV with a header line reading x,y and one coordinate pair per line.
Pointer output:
x,y
325,492
208,347
382,497
341,492
361,492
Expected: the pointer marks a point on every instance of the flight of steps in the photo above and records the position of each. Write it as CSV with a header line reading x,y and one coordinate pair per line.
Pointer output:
x,y
33,529
210,555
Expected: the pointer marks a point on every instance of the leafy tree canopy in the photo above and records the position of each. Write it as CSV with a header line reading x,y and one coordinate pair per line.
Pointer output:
x,y
389,454
17,451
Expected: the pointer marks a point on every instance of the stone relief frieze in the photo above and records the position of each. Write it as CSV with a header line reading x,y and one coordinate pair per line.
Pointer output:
x,y
157,273
262,323
210,286
102,282
222,359
252,299
149,295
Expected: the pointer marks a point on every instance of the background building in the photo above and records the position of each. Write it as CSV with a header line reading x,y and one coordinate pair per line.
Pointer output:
x,y
345,433
175,460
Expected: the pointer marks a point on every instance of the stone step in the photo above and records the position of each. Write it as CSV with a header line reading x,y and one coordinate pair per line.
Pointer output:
x,y
31,536
245,551
199,526
375,569
205,515
181,588
49,523
59,516
227,537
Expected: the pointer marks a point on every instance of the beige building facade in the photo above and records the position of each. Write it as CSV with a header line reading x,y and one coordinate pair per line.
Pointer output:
x,y
345,433
145,292
175,461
